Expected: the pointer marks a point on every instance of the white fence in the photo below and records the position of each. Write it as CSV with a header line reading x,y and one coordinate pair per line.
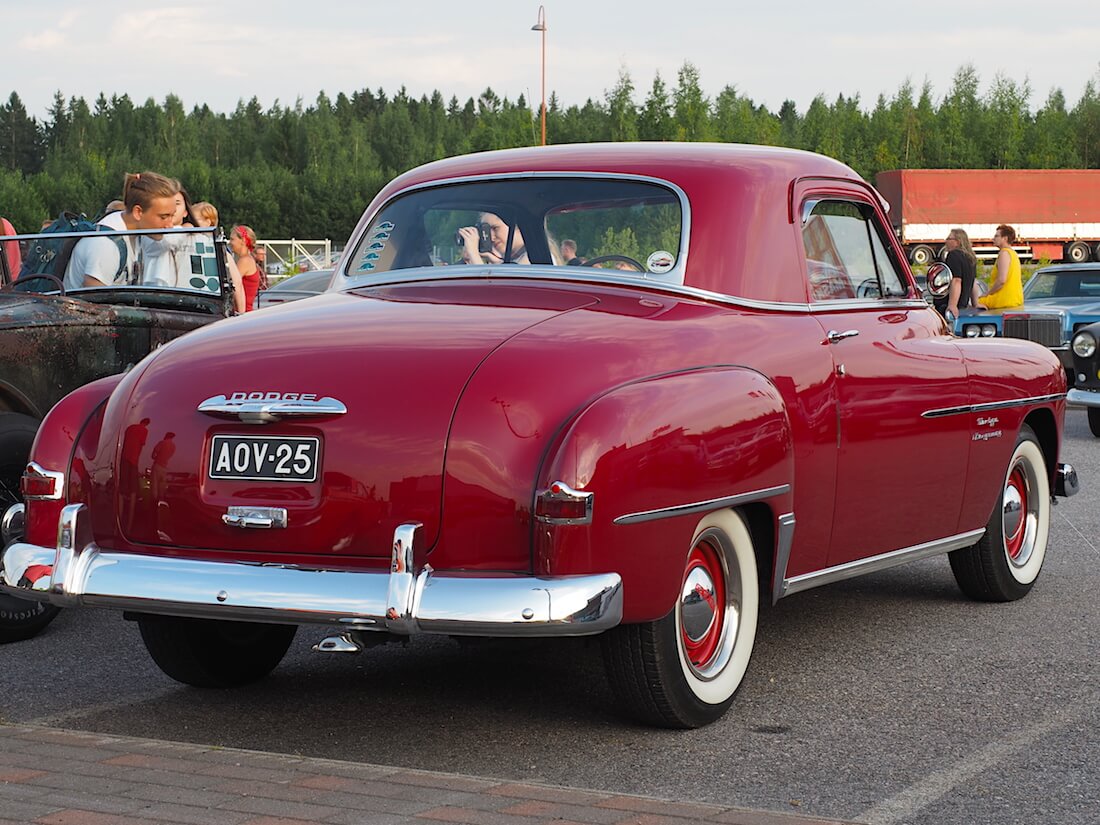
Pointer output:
x,y
283,258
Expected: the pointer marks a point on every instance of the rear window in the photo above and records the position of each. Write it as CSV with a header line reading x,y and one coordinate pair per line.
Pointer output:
x,y
633,226
1062,284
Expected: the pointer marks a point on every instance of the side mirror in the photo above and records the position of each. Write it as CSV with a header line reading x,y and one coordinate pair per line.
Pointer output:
x,y
939,279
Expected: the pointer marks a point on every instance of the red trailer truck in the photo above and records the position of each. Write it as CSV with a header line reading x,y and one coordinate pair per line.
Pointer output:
x,y
1055,212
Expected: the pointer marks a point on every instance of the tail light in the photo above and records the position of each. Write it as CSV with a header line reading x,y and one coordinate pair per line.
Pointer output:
x,y
561,504
40,484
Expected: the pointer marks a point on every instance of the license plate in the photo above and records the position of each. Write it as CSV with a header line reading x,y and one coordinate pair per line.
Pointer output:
x,y
264,458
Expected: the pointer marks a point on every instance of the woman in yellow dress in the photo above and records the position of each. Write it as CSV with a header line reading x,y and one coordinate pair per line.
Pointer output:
x,y
1007,289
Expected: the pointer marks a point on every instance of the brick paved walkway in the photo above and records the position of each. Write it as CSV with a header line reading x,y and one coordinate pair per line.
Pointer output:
x,y
59,777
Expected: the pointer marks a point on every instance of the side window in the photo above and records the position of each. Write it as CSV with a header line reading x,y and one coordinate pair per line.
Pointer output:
x,y
845,255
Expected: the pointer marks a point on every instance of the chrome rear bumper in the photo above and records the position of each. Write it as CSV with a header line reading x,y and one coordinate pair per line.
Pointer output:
x,y
77,572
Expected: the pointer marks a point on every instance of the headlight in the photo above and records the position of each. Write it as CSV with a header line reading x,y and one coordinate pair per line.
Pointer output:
x,y
1084,344
972,330
989,330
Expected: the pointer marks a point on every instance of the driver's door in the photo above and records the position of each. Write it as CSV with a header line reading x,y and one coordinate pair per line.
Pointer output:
x,y
900,473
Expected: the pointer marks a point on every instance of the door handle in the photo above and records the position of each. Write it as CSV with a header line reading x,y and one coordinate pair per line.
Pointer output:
x,y
834,337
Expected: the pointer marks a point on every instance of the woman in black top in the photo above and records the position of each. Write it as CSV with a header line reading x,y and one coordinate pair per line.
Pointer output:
x,y
964,269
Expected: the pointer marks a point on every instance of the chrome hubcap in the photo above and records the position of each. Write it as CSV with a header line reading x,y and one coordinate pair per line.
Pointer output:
x,y
698,608
1019,514
709,609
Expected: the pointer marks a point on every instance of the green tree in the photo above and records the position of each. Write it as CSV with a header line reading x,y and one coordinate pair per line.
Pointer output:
x,y
20,138
621,111
691,109
1008,118
655,120
1050,141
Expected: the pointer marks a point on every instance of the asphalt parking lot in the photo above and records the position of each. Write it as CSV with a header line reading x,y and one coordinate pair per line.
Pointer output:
x,y
886,699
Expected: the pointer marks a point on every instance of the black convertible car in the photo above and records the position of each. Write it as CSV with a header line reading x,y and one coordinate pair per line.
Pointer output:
x,y
53,340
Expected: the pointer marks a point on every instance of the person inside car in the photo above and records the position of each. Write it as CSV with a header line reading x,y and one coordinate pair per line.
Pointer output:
x,y
491,224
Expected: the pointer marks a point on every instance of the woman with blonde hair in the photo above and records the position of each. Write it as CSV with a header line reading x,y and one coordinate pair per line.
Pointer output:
x,y
964,270
242,240
206,214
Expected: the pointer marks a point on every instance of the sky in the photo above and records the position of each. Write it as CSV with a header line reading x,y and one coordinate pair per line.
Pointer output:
x,y
219,53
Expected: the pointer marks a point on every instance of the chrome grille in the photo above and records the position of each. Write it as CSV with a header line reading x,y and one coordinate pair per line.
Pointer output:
x,y
1045,330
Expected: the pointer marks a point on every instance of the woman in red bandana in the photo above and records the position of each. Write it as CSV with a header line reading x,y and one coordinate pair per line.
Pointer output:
x,y
242,240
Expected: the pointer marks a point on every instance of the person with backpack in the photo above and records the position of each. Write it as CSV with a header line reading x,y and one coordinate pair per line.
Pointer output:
x,y
149,202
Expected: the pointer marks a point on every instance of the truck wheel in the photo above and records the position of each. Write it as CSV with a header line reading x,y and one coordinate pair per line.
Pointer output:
x,y
1094,420
682,671
213,653
1078,252
1005,563
921,255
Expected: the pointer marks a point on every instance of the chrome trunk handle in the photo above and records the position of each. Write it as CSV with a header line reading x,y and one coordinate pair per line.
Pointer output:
x,y
262,518
267,410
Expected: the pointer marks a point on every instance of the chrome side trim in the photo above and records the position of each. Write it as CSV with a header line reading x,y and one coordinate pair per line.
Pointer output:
x,y
546,273
993,405
456,603
265,412
885,561
784,539
703,506
1083,398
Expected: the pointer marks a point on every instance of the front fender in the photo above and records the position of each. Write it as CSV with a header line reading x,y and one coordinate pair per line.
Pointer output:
x,y
657,454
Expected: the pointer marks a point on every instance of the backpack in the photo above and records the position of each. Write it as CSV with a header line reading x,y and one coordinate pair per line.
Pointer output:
x,y
50,256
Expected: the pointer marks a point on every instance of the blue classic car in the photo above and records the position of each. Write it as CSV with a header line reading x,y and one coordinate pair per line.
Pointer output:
x,y
1085,350
1058,301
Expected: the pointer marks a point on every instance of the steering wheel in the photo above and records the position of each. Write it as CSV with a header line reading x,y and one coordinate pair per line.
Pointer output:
x,y
869,288
625,259
40,275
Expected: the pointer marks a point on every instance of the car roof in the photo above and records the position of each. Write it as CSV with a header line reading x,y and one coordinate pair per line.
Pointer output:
x,y
741,212
1056,269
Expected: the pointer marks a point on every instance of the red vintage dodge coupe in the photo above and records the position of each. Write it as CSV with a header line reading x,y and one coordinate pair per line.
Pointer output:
x,y
732,392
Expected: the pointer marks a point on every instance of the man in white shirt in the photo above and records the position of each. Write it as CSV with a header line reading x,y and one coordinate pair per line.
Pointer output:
x,y
150,201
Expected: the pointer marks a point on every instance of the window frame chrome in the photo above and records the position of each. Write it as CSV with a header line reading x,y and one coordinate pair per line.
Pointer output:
x,y
674,276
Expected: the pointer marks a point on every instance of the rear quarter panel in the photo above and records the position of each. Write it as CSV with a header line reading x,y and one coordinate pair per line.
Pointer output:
x,y
671,440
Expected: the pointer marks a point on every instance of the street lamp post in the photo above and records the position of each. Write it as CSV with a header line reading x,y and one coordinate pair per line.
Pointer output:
x,y
540,26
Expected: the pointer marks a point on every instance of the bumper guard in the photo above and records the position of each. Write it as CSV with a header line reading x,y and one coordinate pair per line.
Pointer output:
x,y
77,572
1083,398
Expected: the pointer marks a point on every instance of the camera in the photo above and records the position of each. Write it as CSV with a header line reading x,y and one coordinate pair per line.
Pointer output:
x,y
484,239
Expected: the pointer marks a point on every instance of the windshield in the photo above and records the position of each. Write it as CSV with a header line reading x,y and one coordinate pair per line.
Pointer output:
x,y
1065,284
629,225
184,260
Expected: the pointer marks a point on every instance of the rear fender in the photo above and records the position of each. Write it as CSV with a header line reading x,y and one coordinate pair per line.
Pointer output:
x,y
75,418
657,455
